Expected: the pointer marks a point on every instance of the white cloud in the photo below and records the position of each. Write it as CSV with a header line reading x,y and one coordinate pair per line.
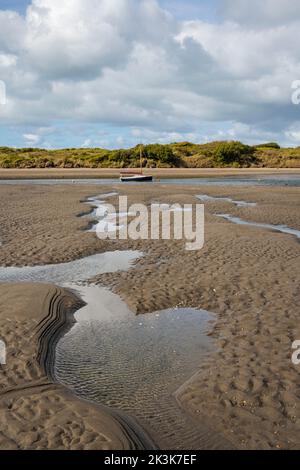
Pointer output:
x,y
147,136
12,32
77,37
293,133
7,60
87,143
120,140
31,139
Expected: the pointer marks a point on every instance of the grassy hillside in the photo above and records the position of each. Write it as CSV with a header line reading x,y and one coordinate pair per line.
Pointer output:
x,y
182,154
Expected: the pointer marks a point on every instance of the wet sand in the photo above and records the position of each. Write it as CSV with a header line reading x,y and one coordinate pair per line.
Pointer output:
x,y
79,173
36,413
248,390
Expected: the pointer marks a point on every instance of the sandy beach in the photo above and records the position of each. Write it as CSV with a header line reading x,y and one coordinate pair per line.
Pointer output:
x,y
246,391
79,173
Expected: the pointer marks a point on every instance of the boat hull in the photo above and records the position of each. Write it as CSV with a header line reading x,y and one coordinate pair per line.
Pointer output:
x,y
139,178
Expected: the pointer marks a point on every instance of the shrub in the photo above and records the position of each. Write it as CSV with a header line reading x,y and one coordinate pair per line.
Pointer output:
x,y
268,145
160,153
234,152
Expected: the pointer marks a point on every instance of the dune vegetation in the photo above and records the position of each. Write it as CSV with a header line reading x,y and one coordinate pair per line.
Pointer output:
x,y
176,155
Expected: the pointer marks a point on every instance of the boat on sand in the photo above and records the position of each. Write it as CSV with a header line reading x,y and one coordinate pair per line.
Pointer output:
x,y
135,175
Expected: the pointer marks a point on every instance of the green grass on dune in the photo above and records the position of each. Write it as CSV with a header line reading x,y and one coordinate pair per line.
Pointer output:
x,y
176,155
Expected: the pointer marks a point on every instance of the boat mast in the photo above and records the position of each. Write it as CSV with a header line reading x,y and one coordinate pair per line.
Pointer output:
x,y
141,158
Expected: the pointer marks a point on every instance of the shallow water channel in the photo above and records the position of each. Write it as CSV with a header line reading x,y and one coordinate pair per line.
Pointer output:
x,y
276,228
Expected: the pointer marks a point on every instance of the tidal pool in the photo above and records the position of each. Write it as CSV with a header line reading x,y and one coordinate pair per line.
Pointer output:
x,y
136,363
74,271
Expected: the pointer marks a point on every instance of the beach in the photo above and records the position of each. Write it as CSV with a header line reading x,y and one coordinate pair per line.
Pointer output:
x,y
246,390
90,173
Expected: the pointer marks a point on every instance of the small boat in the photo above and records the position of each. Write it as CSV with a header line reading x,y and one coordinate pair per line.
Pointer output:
x,y
131,175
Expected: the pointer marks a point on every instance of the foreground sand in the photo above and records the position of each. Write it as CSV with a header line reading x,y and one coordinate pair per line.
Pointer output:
x,y
35,413
249,389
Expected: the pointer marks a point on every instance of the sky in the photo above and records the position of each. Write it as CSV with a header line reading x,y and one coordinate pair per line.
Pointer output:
x,y
114,73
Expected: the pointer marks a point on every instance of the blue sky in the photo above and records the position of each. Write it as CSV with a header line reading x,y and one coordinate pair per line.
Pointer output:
x,y
113,73
182,9
192,9
17,5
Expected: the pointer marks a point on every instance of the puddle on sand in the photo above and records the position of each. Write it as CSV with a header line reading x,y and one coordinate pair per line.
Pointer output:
x,y
135,363
74,271
205,197
106,222
277,228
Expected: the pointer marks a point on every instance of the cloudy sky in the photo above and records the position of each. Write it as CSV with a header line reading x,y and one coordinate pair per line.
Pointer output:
x,y
112,73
